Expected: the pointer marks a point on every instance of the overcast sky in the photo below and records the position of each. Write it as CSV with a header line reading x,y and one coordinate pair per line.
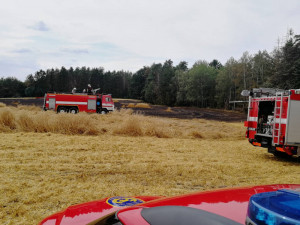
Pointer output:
x,y
130,34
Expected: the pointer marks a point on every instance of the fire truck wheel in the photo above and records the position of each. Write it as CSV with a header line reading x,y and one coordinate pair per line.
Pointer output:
x,y
62,110
103,111
73,110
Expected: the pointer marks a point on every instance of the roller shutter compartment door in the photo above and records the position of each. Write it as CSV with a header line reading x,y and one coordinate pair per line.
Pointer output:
x,y
51,103
293,124
91,104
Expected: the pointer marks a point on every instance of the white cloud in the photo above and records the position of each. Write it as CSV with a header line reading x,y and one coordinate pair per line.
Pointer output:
x,y
75,50
39,26
128,34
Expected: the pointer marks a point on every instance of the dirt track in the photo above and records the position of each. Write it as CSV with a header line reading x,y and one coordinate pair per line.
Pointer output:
x,y
154,110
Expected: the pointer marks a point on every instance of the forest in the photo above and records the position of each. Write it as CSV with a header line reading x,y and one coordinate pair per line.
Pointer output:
x,y
205,84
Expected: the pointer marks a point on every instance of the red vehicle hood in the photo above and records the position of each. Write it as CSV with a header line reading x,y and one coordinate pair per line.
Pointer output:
x,y
230,203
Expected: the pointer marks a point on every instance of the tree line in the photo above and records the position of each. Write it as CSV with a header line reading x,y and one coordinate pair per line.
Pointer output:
x,y
205,84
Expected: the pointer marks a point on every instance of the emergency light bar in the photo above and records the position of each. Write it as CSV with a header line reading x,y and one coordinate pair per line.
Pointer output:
x,y
280,207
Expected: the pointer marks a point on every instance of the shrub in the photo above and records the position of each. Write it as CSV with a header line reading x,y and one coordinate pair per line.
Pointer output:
x,y
7,120
131,127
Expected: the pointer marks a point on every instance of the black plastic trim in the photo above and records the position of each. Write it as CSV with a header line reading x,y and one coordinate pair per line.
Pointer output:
x,y
181,215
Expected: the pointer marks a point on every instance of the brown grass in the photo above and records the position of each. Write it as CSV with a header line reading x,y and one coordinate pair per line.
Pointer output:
x,y
197,134
138,105
143,105
130,105
7,120
28,119
44,172
169,109
29,107
123,122
131,126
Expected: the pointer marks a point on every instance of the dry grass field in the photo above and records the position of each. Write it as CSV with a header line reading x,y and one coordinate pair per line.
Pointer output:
x,y
49,161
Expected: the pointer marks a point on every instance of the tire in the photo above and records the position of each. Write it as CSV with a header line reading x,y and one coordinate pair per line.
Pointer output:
x,y
73,110
103,111
62,110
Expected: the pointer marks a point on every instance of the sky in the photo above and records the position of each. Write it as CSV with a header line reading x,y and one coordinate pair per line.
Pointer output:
x,y
130,34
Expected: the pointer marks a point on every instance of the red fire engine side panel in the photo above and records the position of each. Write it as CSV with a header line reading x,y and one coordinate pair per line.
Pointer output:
x,y
79,101
294,95
252,118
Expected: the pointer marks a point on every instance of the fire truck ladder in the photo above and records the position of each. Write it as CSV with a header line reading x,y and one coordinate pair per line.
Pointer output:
x,y
277,113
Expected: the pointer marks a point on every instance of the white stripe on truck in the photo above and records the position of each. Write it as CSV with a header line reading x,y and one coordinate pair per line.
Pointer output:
x,y
70,103
252,119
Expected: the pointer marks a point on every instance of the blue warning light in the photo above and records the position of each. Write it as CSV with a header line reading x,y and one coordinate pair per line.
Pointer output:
x,y
280,207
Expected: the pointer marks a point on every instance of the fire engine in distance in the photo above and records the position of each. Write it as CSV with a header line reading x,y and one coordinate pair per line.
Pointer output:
x,y
273,120
78,102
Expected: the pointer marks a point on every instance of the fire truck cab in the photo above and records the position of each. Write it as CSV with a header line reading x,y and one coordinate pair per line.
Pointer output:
x,y
79,102
273,120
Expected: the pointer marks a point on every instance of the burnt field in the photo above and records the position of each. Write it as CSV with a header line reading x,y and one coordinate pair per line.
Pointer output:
x,y
153,110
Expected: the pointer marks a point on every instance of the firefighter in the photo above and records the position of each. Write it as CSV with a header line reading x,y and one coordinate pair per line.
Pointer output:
x,y
74,90
89,89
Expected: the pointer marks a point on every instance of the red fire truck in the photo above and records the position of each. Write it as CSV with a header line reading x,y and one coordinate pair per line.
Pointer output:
x,y
79,102
274,120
